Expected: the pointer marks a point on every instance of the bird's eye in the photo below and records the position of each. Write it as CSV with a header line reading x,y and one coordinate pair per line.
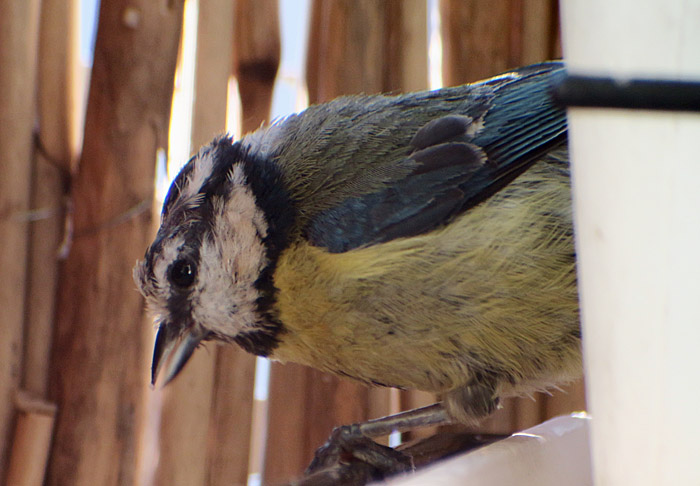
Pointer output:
x,y
182,273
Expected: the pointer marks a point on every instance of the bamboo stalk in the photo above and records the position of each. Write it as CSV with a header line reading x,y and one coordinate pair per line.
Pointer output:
x,y
482,38
256,52
100,359
345,55
354,47
32,441
542,41
184,426
52,165
407,70
406,46
475,38
189,403
256,58
19,21
539,30
231,417
287,452
213,69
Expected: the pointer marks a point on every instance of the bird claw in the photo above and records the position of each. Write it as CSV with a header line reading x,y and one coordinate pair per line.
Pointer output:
x,y
352,458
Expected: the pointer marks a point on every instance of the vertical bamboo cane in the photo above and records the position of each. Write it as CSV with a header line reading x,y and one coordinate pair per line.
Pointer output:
x,y
475,39
35,419
359,46
30,450
256,52
541,41
539,31
100,370
256,57
345,55
52,165
482,38
407,70
186,448
19,21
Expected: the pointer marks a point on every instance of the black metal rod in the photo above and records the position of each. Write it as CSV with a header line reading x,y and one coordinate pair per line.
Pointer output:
x,y
641,94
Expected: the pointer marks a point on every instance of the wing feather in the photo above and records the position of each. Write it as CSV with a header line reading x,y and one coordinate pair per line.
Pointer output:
x,y
457,161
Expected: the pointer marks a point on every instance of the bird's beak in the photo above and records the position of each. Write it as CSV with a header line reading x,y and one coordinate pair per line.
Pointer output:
x,y
174,348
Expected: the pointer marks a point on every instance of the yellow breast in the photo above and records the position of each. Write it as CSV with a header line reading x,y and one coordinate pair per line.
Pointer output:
x,y
431,311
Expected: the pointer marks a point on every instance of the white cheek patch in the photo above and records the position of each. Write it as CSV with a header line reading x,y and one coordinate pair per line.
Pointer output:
x,y
231,263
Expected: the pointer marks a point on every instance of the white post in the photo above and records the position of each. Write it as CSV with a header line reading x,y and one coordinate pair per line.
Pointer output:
x,y
637,205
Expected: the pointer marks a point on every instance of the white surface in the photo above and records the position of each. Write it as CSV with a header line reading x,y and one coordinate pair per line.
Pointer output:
x,y
554,453
637,201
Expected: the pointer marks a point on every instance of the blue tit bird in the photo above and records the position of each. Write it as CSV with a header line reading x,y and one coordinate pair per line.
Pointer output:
x,y
420,241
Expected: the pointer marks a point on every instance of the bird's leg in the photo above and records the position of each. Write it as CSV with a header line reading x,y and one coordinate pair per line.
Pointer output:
x,y
350,444
434,414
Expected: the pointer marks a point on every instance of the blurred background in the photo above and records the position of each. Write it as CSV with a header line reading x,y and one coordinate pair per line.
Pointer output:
x,y
100,105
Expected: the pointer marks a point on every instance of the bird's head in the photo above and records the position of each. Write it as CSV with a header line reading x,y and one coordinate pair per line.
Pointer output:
x,y
206,275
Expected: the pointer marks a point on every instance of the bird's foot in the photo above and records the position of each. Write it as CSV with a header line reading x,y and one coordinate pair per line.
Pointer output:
x,y
350,457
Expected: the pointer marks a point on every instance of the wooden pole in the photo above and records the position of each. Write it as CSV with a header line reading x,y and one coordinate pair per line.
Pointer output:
x,y
56,107
229,444
354,47
256,56
482,38
32,441
406,69
100,366
19,21
51,167
257,53
539,31
346,49
185,443
406,46
476,39
475,43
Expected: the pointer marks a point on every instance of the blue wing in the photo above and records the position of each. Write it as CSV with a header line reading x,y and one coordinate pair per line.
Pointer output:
x,y
458,162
